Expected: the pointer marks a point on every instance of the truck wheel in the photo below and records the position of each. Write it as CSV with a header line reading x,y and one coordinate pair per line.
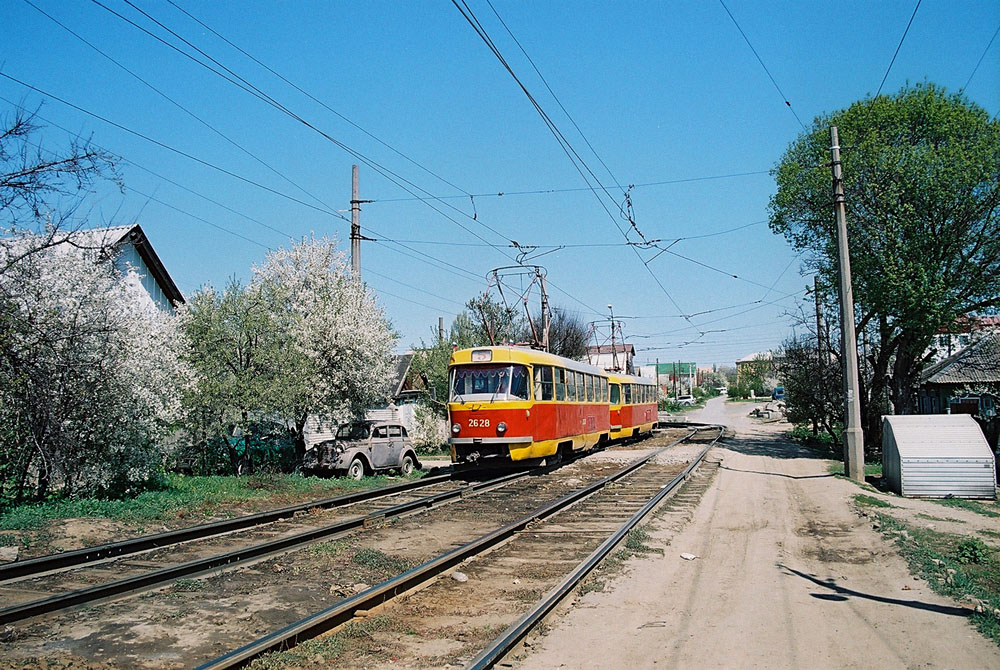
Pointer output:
x,y
357,469
406,467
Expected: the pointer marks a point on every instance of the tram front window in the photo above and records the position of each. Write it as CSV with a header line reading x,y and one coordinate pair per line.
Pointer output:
x,y
616,394
489,382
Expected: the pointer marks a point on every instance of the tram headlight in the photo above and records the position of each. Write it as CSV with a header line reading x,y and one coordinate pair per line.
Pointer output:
x,y
501,428
455,428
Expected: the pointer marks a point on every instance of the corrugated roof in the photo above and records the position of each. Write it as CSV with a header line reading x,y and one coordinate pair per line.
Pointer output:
x,y
978,363
948,436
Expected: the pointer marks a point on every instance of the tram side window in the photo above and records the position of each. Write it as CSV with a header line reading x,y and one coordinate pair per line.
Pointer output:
x,y
604,390
570,386
628,393
560,384
590,388
543,382
616,394
581,387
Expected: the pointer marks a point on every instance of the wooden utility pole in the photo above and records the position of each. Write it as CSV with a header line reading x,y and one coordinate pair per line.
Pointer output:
x,y
854,443
355,223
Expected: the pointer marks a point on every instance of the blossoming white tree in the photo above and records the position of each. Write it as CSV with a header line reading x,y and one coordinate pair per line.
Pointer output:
x,y
304,338
337,326
89,376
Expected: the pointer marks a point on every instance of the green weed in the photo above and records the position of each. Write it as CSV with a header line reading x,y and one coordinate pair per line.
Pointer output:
x,y
357,636
188,497
379,565
936,557
870,501
990,509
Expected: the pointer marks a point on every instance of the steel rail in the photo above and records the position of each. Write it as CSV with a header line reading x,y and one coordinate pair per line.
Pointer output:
x,y
199,566
501,646
68,559
322,621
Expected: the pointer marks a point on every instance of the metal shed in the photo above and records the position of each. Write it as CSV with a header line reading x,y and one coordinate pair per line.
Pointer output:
x,y
937,456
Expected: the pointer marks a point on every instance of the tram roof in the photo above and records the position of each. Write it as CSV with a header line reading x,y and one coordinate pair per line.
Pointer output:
x,y
524,356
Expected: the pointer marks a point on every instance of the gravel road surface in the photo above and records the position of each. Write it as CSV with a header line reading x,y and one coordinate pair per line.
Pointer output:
x,y
787,576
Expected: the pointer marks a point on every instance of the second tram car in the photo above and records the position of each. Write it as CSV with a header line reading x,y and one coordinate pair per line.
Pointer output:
x,y
523,405
632,405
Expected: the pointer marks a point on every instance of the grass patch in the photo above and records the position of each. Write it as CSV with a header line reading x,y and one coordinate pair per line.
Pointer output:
x,y
188,497
355,636
990,533
189,585
928,517
635,544
871,469
990,509
377,566
870,501
954,565
331,548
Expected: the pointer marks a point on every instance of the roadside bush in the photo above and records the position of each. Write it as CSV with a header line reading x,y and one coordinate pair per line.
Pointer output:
x,y
972,551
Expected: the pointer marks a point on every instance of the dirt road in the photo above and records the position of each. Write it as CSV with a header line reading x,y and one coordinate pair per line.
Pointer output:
x,y
787,576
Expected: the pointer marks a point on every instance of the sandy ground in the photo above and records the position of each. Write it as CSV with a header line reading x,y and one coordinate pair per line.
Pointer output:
x,y
787,576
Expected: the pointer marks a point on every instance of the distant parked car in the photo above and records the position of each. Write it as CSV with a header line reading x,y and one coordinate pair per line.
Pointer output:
x,y
778,393
360,448
685,400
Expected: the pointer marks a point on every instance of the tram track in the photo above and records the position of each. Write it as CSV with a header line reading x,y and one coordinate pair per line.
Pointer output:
x,y
264,593
639,489
288,540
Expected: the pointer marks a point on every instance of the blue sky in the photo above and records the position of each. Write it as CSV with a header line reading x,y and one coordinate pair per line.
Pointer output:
x,y
664,92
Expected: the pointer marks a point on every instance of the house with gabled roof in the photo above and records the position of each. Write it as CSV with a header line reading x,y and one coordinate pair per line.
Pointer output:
x,y
966,382
130,250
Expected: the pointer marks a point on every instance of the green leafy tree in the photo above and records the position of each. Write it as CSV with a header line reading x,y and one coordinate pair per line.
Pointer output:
x,y
922,181
813,386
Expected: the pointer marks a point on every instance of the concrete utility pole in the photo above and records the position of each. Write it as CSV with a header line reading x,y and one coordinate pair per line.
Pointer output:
x,y
440,329
657,380
821,351
355,223
614,346
854,443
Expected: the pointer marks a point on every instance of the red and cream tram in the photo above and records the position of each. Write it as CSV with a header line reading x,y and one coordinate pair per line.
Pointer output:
x,y
632,405
523,405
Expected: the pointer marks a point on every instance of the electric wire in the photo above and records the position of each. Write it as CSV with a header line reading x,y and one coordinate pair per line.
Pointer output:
x,y
427,258
551,92
504,193
564,144
761,61
175,103
320,102
172,149
253,90
981,58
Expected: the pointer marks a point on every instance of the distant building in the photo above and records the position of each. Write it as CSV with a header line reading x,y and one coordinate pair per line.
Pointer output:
x,y
965,331
607,358
762,364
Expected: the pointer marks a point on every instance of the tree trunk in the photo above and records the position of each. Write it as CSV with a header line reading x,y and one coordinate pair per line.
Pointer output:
x,y
906,373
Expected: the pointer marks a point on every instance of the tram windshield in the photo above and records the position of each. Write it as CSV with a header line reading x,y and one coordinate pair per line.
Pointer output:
x,y
489,382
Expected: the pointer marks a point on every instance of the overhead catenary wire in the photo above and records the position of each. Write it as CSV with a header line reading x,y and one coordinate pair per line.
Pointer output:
x,y
760,60
173,149
981,58
243,84
578,163
177,104
320,102
502,193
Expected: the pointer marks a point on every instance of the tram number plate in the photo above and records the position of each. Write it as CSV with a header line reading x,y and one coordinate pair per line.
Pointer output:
x,y
479,423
